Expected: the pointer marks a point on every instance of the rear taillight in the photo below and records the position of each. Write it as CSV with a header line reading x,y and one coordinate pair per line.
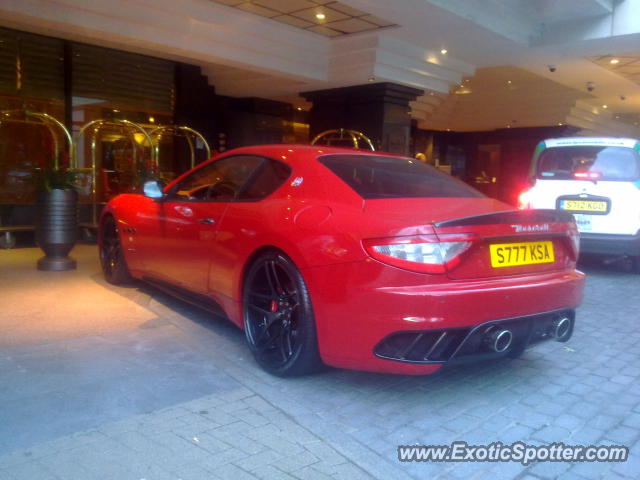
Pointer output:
x,y
587,175
524,199
421,253
574,235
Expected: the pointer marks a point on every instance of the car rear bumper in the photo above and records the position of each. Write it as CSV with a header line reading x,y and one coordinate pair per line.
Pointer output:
x,y
596,243
493,339
359,305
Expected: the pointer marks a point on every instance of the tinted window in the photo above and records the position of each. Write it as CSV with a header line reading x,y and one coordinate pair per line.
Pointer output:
x,y
219,181
389,177
605,163
266,180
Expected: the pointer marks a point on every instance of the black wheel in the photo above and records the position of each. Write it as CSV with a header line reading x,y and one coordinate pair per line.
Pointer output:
x,y
114,265
278,317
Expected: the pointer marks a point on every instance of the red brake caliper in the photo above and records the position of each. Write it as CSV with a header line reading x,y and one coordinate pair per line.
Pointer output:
x,y
274,306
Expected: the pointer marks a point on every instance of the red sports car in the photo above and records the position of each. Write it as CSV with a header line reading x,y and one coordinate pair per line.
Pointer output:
x,y
350,258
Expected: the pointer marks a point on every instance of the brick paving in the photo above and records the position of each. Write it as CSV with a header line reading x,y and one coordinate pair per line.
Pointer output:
x,y
346,425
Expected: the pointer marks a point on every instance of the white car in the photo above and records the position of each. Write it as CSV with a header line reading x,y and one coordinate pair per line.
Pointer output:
x,y
598,181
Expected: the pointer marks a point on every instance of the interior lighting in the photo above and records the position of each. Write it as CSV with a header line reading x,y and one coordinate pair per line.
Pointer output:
x,y
444,51
139,137
614,61
320,16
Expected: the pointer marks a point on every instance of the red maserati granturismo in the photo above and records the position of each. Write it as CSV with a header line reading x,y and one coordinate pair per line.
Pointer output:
x,y
350,258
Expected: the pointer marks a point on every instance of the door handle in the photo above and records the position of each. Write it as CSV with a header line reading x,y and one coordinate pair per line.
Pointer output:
x,y
207,221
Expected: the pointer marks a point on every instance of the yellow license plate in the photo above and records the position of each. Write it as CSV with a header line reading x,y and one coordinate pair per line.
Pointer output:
x,y
583,206
526,253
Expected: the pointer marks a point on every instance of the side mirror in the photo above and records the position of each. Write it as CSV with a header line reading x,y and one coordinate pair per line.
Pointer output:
x,y
153,189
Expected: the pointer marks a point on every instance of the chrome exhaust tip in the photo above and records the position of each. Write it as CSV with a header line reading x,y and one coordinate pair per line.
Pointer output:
x,y
498,340
561,329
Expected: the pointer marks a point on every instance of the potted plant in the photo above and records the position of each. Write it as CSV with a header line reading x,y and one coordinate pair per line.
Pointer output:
x,y
56,228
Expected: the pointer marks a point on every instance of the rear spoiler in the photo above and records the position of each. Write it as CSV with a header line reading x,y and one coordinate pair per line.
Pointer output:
x,y
510,216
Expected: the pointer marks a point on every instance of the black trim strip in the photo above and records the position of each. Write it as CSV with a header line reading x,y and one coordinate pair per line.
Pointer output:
x,y
510,216
195,299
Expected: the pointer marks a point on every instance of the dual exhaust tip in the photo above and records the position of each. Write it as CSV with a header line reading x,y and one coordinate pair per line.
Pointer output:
x,y
500,339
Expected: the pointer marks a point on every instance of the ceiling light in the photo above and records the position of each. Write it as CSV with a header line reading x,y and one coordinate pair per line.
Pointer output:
x,y
443,51
605,106
613,61
320,16
151,119
509,82
299,109
560,124
371,79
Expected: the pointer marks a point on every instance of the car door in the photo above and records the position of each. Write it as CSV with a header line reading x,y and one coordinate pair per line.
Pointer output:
x,y
247,222
187,221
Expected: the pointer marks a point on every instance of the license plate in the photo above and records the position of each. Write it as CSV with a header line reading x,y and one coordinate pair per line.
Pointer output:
x,y
584,206
525,253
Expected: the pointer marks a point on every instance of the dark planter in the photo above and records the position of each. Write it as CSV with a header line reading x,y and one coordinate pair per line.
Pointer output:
x,y
57,228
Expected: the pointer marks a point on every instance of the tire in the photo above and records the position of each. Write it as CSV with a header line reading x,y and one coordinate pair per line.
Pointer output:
x,y
112,261
278,317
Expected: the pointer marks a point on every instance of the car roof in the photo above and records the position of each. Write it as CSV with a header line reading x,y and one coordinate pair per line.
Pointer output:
x,y
291,153
590,141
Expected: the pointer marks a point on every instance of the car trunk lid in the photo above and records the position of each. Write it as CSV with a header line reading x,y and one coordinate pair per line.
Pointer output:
x,y
514,242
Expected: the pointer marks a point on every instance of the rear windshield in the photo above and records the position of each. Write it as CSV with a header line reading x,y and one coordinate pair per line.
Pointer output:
x,y
589,162
374,176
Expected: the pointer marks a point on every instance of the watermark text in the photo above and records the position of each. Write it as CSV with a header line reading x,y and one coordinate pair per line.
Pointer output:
x,y
523,453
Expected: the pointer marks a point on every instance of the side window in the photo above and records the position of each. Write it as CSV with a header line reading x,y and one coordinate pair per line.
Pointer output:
x,y
269,176
219,181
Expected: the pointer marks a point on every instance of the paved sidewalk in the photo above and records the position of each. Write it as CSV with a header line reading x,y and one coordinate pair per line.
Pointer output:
x,y
233,435
195,406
